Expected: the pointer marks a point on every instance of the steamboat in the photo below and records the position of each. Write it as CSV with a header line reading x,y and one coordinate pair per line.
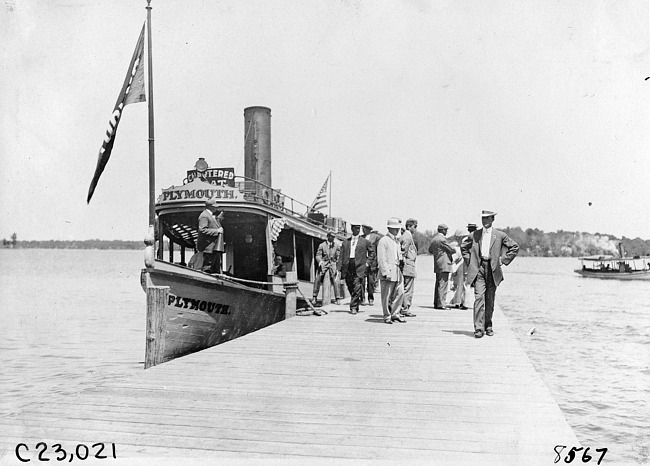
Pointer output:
x,y
200,309
620,268
188,309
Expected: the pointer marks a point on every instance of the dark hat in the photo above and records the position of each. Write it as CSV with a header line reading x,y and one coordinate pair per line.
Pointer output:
x,y
411,221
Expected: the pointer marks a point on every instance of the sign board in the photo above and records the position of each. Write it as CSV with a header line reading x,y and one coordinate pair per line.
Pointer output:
x,y
198,190
215,176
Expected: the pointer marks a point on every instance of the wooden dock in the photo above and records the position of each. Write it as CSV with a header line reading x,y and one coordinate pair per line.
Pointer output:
x,y
339,386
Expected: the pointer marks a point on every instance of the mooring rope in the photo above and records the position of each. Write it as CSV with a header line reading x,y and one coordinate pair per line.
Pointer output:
x,y
254,282
318,312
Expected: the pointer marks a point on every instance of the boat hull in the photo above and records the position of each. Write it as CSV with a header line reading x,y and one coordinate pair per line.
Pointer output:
x,y
203,311
640,275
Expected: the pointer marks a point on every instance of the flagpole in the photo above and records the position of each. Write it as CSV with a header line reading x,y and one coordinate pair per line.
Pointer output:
x,y
330,202
152,171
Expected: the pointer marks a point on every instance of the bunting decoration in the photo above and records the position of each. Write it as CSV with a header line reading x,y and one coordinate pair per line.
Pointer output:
x,y
132,92
321,199
277,224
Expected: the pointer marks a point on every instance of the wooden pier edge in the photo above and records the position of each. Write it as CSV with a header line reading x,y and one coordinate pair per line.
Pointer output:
x,y
157,297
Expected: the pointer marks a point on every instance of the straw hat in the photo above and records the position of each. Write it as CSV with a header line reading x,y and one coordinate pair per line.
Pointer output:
x,y
394,222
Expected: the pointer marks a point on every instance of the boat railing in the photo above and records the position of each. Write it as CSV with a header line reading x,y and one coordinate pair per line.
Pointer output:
x,y
255,191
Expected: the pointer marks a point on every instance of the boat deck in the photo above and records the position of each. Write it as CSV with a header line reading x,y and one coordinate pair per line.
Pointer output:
x,y
337,386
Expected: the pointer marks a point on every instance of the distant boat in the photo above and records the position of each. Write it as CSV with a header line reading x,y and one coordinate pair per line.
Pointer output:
x,y
620,268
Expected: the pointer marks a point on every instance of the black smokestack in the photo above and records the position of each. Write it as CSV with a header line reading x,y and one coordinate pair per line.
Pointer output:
x,y
257,144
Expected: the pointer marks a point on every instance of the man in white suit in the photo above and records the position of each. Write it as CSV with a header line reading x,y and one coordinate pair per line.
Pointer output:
x,y
389,258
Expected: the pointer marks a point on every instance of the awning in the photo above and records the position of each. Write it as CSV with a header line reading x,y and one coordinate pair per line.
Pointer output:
x,y
278,223
182,234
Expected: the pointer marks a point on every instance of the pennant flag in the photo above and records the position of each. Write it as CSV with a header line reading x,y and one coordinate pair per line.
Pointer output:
x,y
132,92
321,199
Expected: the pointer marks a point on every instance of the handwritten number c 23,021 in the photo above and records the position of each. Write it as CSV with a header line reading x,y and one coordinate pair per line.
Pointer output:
x,y
81,452
586,457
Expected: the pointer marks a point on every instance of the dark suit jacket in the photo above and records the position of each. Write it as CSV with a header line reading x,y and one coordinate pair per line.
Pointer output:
x,y
327,258
373,238
364,253
503,250
442,252
210,237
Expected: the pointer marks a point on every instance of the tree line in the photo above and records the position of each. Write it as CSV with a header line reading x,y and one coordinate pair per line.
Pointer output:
x,y
85,244
532,242
535,242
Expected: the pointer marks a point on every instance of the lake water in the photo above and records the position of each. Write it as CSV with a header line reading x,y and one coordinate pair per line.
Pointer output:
x,y
71,317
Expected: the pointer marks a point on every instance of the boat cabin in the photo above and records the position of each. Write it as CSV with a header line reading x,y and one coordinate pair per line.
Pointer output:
x,y
259,223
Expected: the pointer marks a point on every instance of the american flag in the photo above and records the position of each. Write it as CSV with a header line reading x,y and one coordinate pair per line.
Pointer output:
x,y
132,92
321,199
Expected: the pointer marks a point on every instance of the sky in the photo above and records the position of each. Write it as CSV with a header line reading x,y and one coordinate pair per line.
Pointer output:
x,y
435,110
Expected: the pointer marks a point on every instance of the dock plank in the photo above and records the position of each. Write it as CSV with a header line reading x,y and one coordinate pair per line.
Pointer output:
x,y
336,386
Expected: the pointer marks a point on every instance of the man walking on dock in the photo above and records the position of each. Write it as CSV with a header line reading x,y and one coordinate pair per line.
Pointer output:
x,y
389,259
327,257
410,253
442,258
370,279
356,253
484,251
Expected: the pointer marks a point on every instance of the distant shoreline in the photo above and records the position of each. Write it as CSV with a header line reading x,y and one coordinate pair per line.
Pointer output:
x,y
532,243
85,244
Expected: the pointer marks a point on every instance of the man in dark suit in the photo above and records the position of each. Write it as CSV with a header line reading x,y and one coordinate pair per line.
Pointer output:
x,y
356,254
210,237
410,255
327,258
442,256
370,278
484,251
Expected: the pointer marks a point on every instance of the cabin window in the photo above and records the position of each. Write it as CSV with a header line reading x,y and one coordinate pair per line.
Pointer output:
x,y
247,237
244,238
304,256
283,246
179,233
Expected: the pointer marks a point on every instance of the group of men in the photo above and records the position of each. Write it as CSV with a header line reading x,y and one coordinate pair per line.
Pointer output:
x,y
474,258
363,258
476,261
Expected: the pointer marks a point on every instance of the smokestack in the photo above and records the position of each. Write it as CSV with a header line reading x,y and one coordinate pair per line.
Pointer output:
x,y
257,144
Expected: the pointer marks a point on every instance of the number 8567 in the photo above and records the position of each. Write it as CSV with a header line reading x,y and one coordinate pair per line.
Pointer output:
x,y
586,457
